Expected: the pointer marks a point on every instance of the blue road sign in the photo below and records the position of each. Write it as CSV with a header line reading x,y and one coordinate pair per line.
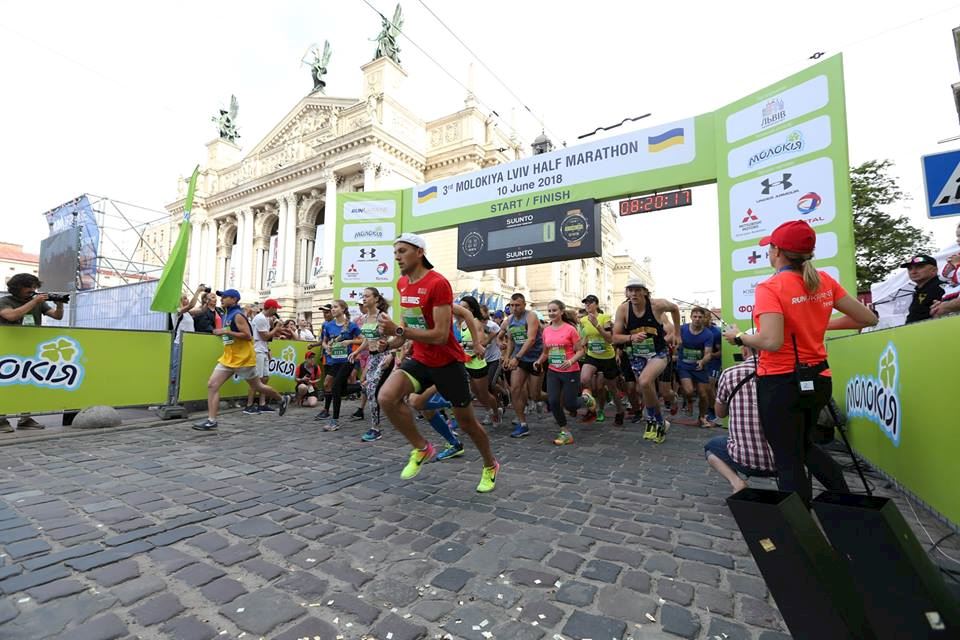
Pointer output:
x,y
941,180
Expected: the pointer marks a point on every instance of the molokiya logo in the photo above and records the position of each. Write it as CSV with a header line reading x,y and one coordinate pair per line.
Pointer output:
x,y
877,398
285,366
792,144
56,366
373,233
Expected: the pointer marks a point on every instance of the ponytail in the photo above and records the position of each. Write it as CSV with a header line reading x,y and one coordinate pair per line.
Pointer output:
x,y
803,262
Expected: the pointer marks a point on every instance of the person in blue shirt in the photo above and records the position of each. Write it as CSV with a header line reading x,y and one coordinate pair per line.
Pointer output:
x,y
713,371
693,356
338,337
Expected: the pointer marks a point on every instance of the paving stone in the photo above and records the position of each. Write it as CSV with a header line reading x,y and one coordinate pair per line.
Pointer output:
x,y
707,557
33,579
391,593
579,594
398,629
381,531
136,590
362,611
222,590
116,573
341,539
449,552
8,611
531,549
443,529
18,534
345,573
678,592
235,553
199,574
452,579
759,613
702,573
585,626
261,611
50,621
518,631
496,593
715,601
26,548
171,560
470,623
432,610
530,578
727,630
157,610
637,580
624,604
284,544
311,629
256,527
57,589
209,542
755,587
577,543
188,628
310,558
620,554
601,571
266,570
304,584
316,531
679,621
103,558
565,561
61,556
107,627
541,612
661,563
10,570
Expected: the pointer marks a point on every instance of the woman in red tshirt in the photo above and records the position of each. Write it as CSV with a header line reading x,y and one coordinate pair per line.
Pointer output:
x,y
792,312
562,350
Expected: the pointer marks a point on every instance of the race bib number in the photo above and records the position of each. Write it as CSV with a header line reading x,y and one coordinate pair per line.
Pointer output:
x,y
370,331
597,346
413,316
468,347
690,356
227,339
29,320
339,350
519,335
556,356
643,349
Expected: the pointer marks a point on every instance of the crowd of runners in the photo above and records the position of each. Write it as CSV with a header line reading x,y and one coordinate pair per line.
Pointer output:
x,y
443,357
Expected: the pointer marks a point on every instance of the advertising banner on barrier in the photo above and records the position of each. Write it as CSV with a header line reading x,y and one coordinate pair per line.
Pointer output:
x,y
781,156
899,413
200,353
49,369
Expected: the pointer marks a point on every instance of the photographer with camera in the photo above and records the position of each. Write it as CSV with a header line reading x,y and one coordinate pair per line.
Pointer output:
x,y
205,317
25,306
183,319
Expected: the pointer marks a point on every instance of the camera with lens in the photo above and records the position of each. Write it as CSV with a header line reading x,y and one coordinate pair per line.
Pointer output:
x,y
207,290
56,297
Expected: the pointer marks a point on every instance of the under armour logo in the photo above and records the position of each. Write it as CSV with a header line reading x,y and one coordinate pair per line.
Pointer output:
x,y
750,217
784,182
368,253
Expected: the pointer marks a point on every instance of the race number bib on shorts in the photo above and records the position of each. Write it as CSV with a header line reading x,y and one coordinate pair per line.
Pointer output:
x,y
556,356
690,356
413,316
339,350
644,349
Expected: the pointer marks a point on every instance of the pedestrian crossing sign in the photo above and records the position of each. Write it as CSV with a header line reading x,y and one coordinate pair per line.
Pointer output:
x,y
941,179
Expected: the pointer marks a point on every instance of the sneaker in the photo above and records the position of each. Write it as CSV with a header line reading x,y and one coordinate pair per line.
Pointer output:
x,y
284,403
5,426
637,418
205,425
265,408
660,432
488,480
357,415
29,423
542,408
705,423
323,415
251,410
520,431
331,425
618,419
564,437
417,458
650,432
371,435
487,419
450,451
711,416
601,417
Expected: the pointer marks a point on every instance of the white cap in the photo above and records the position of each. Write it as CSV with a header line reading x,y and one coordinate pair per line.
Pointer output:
x,y
635,283
416,241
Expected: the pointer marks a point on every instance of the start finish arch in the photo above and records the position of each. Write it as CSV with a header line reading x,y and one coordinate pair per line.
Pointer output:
x,y
779,154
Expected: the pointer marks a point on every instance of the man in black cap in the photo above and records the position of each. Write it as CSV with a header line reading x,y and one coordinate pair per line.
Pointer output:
x,y
922,271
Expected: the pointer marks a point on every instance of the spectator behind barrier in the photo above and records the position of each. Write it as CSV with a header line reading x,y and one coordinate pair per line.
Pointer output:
x,y
922,270
950,302
305,332
308,373
23,306
205,318
183,320
744,450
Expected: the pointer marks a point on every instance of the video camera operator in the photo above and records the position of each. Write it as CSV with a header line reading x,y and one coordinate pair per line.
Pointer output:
x,y
792,312
24,306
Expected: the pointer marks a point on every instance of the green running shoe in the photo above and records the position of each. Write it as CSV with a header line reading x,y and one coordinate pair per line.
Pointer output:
x,y
417,458
488,480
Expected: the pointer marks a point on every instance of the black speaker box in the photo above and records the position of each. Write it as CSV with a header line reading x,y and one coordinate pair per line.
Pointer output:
x,y
812,587
904,593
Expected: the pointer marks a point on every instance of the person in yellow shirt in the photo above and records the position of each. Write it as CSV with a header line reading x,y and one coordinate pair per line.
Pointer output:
x,y
238,359
597,331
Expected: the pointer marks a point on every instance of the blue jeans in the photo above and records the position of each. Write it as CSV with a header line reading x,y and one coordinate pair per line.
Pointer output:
x,y
718,447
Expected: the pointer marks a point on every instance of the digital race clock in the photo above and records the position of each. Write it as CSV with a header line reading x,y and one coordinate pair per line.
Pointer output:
x,y
656,202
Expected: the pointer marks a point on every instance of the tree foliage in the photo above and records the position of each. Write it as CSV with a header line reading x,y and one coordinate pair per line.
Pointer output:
x,y
883,240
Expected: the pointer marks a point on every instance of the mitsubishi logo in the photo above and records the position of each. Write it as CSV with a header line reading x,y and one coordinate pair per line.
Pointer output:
x,y
352,269
784,183
750,217
368,253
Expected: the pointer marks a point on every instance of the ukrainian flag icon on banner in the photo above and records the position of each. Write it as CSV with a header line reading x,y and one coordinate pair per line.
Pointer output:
x,y
665,140
426,195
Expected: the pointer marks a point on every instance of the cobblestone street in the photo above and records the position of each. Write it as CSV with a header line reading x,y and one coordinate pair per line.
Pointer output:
x,y
271,528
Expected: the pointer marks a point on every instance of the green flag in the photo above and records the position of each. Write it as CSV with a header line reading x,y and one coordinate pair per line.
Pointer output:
x,y
167,297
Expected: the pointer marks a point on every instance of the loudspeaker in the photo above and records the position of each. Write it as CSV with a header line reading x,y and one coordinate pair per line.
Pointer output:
x,y
813,589
904,593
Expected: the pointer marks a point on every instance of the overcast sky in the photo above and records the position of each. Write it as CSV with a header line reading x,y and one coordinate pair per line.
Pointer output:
x,y
114,98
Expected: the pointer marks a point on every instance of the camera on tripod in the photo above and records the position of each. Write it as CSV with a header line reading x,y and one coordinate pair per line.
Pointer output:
x,y
55,297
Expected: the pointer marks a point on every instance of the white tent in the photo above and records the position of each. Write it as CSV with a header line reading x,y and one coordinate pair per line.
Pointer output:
x,y
891,298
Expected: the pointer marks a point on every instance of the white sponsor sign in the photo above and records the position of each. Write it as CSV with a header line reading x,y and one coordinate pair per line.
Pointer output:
x,y
365,264
744,292
801,192
316,267
370,232
369,209
757,257
788,105
654,148
794,142
353,295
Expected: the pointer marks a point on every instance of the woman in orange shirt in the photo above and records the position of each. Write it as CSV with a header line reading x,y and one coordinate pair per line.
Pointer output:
x,y
792,312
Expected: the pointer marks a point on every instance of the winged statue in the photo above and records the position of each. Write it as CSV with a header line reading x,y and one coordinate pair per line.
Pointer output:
x,y
318,65
387,46
227,121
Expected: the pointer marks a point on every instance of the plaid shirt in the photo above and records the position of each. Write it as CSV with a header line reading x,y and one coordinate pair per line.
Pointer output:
x,y
746,443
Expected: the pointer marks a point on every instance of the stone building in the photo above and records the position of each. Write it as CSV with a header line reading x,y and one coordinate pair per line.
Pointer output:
x,y
14,260
259,216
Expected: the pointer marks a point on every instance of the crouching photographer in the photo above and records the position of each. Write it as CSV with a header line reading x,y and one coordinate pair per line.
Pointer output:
x,y
24,306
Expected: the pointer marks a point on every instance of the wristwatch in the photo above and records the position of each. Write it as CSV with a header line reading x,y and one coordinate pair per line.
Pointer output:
x,y
573,227
738,339
399,331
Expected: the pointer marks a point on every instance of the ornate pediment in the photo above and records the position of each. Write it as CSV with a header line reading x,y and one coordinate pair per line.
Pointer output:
x,y
312,118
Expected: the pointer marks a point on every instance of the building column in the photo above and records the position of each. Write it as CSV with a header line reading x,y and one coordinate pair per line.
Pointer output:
x,y
210,253
245,244
290,255
196,245
282,221
238,258
261,249
330,214
369,174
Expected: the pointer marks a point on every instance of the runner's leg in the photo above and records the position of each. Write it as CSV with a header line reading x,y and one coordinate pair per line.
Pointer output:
x,y
518,393
217,378
390,398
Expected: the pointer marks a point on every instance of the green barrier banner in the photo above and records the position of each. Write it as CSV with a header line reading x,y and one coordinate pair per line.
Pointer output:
x,y
781,156
899,412
48,369
200,354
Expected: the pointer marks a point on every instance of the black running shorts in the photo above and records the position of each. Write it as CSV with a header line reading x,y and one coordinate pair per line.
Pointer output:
x,y
451,380
608,367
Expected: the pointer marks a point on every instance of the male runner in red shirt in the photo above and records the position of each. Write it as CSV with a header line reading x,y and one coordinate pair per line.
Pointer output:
x,y
426,301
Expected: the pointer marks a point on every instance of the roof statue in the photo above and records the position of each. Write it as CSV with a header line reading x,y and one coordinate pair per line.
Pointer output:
x,y
387,46
318,66
227,121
